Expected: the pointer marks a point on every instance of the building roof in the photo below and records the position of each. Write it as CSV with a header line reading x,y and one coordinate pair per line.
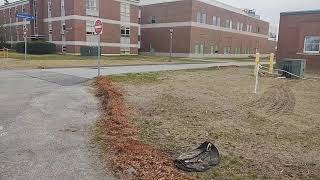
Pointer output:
x,y
301,12
12,4
211,2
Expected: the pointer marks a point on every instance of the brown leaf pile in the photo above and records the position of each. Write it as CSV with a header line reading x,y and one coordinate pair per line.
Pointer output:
x,y
130,156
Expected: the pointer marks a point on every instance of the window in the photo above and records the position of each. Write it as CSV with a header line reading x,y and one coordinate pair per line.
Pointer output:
x,y
90,27
216,21
16,14
91,4
152,19
125,31
124,50
312,44
238,51
204,18
227,50
201,18
50,27
198,49
124,9
214,49
228,24
63,11
49,8
92,8
258,29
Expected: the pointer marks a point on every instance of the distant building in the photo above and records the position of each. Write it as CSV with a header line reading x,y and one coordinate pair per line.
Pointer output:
x,y
202,28
69,23
299,37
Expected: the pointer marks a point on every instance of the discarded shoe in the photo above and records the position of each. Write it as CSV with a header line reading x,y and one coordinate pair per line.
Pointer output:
x,y
200,159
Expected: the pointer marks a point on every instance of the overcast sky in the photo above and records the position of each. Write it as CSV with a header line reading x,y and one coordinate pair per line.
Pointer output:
x,y
269,9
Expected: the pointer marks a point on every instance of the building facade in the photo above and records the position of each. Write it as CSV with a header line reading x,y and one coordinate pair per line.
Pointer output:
x,y
299,37
70,23
202,28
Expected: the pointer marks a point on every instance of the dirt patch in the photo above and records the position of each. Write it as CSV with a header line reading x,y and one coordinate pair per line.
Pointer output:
x,y
130,157
274,134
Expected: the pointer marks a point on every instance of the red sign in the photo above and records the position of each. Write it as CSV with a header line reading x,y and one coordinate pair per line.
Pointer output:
x,y
98,26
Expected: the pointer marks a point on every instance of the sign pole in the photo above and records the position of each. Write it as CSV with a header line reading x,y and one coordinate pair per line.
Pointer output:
x,y
99,52
25,47
98,27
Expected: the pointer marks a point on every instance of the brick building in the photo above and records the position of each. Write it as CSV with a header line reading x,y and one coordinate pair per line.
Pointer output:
x,y
69,23
202,28
299,37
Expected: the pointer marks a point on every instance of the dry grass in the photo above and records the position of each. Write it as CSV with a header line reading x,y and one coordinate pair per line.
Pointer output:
x,y
273,135
131,158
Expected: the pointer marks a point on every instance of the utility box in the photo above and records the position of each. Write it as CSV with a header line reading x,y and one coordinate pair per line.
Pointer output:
x,y
293,66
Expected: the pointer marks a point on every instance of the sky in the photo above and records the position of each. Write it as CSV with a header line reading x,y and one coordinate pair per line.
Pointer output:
x,y
269,10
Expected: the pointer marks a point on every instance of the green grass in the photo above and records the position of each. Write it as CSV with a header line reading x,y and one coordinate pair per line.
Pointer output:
x,y
137,78
20,56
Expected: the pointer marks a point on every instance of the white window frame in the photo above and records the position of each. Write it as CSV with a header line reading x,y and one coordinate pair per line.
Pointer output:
x,y
204,18
92,7
90,28
214,20
125,9
199,17
311,51
125,31
227,23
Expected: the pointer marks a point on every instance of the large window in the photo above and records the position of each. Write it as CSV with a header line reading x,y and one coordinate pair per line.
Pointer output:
x,y
312,44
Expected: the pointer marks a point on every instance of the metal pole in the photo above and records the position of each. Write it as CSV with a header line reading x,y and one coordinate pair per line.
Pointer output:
x,y
25,48
99,55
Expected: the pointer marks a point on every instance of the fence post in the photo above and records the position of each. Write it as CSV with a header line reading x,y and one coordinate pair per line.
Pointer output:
x,y
271,63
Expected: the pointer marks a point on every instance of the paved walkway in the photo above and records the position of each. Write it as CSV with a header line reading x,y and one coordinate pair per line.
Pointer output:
x,y
45,121
92,72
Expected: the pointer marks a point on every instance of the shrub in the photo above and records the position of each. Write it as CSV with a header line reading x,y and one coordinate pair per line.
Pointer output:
x,y
4,45
37,47
89,51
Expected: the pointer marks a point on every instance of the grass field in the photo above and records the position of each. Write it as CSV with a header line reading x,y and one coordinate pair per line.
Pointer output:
x,y
16,60
272,135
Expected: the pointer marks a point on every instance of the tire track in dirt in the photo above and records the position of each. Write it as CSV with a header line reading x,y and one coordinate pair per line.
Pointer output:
x,y
276,101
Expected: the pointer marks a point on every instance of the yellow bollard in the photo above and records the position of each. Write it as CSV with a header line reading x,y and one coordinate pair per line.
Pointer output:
x,y
271,63
257,64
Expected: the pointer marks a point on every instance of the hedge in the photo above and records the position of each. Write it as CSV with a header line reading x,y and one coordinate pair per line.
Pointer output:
x,y
37,47
4,45
89,51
